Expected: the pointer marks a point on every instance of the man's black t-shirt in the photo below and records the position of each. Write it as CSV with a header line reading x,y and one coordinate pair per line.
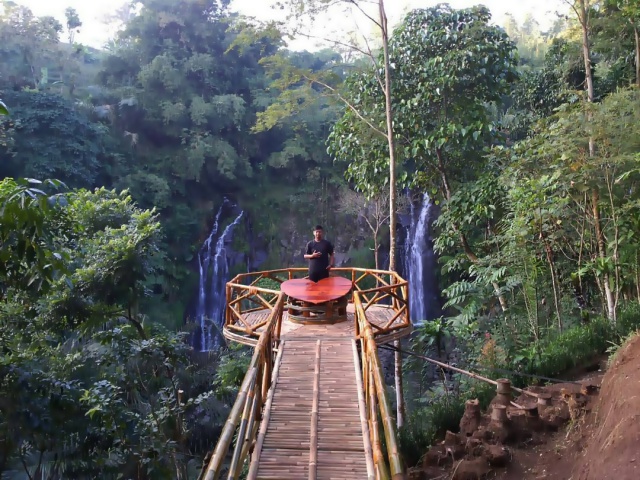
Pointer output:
x,y
318,266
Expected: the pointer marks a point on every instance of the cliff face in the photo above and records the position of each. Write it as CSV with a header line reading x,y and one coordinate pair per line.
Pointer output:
x,y
284,245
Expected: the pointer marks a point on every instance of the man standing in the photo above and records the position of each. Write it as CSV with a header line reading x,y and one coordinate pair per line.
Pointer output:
x,y
320,255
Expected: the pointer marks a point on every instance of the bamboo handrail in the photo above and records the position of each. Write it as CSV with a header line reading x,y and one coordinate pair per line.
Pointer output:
x,y
368,450
391,292
253,468
377,395
249,402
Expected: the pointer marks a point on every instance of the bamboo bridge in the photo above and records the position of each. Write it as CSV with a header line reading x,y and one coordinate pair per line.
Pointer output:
x,y
313,403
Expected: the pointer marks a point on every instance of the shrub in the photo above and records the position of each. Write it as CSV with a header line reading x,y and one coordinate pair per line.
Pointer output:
x,y
572,348
628,319
443,412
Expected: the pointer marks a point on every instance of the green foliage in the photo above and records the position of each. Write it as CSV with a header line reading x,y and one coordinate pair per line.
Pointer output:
x,y
441,410
436,53
231,370
573,348
628,319
50,138
89,387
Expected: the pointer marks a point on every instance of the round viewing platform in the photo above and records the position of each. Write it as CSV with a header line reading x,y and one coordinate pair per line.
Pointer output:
x,y
304,309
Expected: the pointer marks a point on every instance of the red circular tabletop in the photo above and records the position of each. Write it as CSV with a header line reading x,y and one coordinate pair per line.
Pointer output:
x,y
327,289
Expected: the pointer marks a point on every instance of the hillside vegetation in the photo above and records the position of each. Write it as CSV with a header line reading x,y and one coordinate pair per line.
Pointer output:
x,y
113,162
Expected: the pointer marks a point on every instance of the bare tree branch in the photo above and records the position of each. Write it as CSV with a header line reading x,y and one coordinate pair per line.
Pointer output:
x,y
347,103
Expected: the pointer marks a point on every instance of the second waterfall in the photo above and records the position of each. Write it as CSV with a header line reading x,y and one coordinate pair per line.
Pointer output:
x,y
213,263
420,263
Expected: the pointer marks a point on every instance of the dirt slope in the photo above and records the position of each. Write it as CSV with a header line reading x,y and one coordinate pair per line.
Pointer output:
x,y
603,443
613,446
586,433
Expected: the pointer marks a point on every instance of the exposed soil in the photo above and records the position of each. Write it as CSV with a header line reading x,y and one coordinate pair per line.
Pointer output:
x,y
589,431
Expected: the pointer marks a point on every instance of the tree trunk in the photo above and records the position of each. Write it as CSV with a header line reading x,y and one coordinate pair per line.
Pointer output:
x,y
390,139
400,410
376,249
595,194
638,275
606,285
637,38
586,50
554,283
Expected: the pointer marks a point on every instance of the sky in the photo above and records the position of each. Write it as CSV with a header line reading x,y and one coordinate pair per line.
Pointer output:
x,y
94,32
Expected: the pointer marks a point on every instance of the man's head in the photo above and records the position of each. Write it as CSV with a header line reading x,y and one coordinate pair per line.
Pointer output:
x,y
318,232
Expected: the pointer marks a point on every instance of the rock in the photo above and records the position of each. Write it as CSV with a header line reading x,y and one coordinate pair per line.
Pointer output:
x,y
454,445
435,457
497,455
482,434
416,473
501,431
475,469
475,447
341,259
471,419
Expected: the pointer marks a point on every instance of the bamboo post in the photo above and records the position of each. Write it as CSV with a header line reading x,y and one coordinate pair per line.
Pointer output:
x,y
383,472
279,309
313,443
395,462
236,460
253,423
266,372
220,452
363,414
255,459
544,400
503,391
499,413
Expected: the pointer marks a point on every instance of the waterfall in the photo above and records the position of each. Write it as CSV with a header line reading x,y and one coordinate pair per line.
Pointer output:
x,y
214,269
419,262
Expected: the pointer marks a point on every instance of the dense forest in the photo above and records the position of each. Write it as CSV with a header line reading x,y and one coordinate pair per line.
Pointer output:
x,y
114,161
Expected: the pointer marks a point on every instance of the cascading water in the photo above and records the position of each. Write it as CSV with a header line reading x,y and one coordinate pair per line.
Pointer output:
x,y
214,269
419,264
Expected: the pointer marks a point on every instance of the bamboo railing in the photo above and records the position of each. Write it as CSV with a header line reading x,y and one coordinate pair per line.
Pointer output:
x,y
244,296
389,287
244,419
376,401
379,288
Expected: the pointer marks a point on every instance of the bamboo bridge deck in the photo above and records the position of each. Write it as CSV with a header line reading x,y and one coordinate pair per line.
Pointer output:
x,y
313,425
313,403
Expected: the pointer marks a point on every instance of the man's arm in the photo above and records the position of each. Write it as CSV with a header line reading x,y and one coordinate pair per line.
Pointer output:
x,y
309,254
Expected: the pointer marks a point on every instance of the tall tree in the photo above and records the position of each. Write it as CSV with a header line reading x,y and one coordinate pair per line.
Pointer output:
x,y
583,11
304,9
438,54
28,45
73,23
